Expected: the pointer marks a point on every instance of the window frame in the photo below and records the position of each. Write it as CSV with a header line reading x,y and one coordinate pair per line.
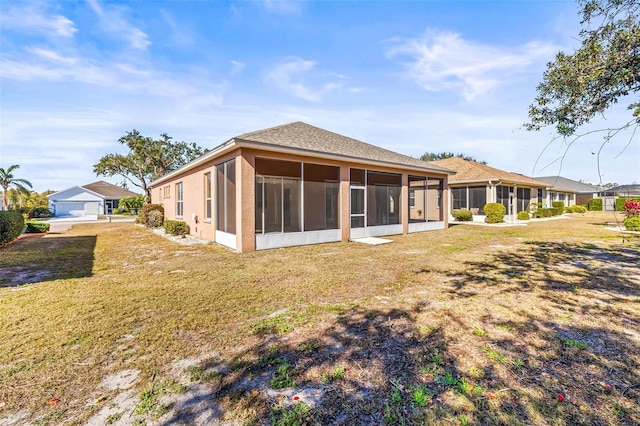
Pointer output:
x,y
179,200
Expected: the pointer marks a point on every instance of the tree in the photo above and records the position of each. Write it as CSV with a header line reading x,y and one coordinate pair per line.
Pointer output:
x,y
147,160
28,199
131,204
431,156
7,179
578,86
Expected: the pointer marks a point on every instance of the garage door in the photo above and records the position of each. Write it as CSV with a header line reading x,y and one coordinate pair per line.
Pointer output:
x,y
78,208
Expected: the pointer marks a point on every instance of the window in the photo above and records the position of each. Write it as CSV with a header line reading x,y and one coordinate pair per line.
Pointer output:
x,y
383,198
278,196
524,199
470,198
226,196
434,195
179,205
412,198
539,195
503,193
459,196
167,192
207,196
321,188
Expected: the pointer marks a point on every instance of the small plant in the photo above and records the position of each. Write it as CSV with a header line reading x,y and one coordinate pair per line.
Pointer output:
x,y
462,215
396,396
309,347
113,418
295,415
337,374
273,325
197,374
479,332
437,359
448,379
464,420
494,212
573,343
494,355
476,372
517,363
465,386
420,395
283,377
523,215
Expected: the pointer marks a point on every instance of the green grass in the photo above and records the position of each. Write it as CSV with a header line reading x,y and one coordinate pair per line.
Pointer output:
x,y
117,297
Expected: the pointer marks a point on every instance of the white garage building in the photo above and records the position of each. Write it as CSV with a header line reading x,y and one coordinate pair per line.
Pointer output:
x,y
88,200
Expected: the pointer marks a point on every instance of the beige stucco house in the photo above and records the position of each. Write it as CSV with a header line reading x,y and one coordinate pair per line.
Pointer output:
x,y
475,185
297,184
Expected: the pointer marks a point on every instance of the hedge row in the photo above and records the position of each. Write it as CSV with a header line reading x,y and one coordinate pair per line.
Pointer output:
x,y
11,225
37,227
595,205
621,200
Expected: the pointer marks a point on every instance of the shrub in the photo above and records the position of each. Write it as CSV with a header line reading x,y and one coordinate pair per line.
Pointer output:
x,y
556,211
558,204
495,212
37,227
462,215
176,227
575,209
620,202
544,213
39,212
523,215
144,212
632,223
11,225
131,204
632,208
595,205
155,219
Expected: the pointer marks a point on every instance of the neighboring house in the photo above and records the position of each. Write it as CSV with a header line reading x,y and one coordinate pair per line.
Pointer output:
x,y
569,191
609,195
475,185
297,184
88,200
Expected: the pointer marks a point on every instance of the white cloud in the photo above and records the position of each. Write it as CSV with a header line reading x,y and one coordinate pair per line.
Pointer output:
x,y
283,7
292,77
112,20
33,18
445,61
236,67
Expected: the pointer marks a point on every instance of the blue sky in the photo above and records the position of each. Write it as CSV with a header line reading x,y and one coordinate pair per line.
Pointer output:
x,y
414,77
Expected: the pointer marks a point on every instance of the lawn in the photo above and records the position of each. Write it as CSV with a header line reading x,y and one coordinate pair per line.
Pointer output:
x,y
531,325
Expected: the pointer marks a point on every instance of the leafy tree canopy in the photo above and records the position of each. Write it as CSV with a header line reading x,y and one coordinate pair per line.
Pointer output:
x,y
432,156
7,180
578,86
147,160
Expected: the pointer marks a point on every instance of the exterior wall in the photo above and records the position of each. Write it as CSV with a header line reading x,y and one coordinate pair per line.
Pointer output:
x,y
193,182
76,201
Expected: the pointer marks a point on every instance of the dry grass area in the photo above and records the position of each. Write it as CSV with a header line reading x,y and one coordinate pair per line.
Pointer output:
x,y
531,325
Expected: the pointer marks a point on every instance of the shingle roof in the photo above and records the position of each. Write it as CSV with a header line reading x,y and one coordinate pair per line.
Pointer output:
x,y
469,171
108,190
305,137
633,189
563,184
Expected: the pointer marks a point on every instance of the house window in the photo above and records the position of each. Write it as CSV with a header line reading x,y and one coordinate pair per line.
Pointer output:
x,y
503,194
524,199
539,195
207,196
459,196
412,198
321,188
417,199
179,199
226,196
278,196
167,191
383,198
470,198
434,195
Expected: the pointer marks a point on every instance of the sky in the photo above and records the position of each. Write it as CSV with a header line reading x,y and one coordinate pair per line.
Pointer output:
x,y
410,76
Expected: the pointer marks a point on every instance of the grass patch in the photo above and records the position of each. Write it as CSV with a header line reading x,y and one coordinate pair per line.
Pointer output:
x,y
116,296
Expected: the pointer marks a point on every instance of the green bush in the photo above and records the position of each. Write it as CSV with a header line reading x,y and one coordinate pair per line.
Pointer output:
x,y
155,221
495,212
556,211
176,227
632,223
575,209
543,213
131,204
462,215
558,204
11,225
595,205
621,200
523,215
37,212
37,227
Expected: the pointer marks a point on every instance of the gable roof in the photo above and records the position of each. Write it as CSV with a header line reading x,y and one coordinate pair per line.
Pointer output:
x,y
560,183
304,139
109,190
633,189
468,171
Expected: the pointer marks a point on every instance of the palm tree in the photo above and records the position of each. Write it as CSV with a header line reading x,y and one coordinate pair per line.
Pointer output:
x,y
7,179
